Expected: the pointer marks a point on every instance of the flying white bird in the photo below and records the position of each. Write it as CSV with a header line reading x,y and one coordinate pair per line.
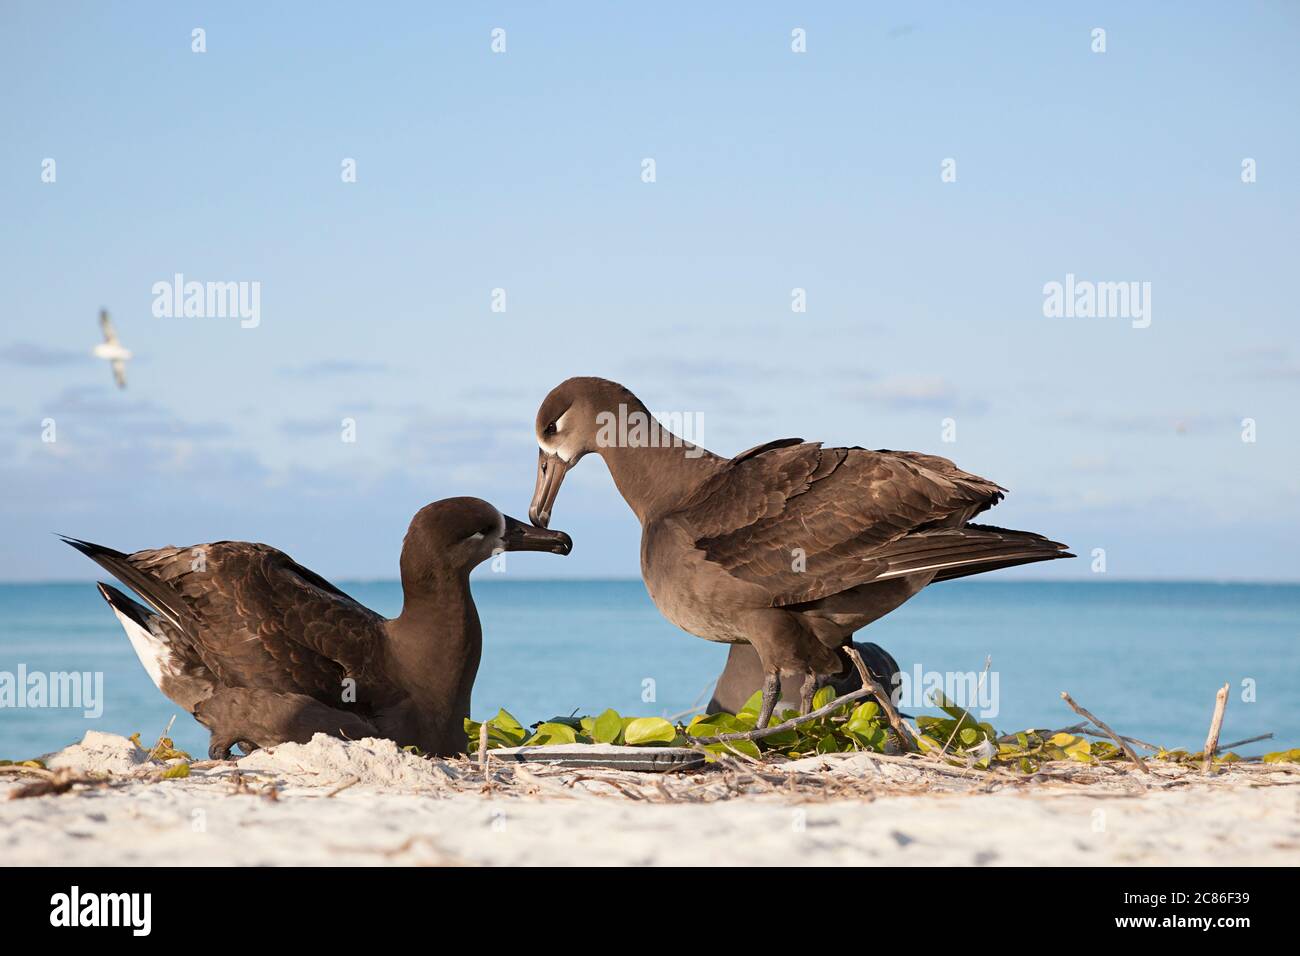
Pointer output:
x,y
112,350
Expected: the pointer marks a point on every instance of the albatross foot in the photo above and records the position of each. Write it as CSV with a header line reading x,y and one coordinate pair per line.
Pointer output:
x,y
219,747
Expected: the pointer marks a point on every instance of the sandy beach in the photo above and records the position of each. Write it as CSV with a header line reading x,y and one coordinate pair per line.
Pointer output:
x,y
365,802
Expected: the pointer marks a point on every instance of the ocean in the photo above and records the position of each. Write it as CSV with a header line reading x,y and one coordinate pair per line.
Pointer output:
x,y
1145,657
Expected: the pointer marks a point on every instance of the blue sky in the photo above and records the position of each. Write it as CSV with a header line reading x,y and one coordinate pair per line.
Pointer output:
x,y
522,171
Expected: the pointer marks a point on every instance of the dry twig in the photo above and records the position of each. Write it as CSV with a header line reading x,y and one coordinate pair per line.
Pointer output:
x,y
882,697
1120,741
1216,724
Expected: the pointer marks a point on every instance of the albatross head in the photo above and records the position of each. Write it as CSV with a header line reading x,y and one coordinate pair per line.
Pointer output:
x,y
461,533
567,428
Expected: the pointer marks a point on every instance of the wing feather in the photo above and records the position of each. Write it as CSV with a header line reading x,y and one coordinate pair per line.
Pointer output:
x,y
261,620
806,521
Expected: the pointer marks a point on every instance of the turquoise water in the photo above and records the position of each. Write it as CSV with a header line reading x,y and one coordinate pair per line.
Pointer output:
x,y
1145,657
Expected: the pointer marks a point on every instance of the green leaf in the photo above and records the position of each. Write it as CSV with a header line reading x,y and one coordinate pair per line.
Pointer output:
x,y
648,730
746,747
781,740
868,711
1283,756
506,721
828,745
606,727
176,771
550,734
574,722
711,725
823,697
969,736
754,704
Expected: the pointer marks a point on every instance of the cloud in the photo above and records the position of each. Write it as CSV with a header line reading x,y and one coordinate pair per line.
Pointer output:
x,y
1266,362
102,413
31,355
326,368
310,427
1152,423
916,393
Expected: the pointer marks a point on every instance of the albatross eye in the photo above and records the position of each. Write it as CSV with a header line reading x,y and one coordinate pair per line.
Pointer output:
x,y
549,429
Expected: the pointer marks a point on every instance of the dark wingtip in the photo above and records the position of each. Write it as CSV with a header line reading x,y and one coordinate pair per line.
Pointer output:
x,y
85,547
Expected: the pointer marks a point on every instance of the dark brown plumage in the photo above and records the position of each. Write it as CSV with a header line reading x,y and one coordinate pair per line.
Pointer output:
x,y
789,546
262,650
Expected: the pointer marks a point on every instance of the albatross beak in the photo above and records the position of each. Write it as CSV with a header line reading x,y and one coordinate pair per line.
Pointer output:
x,y
550,474
524,537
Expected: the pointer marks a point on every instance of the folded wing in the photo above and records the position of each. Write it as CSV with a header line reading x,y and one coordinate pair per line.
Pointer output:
x,y
255,617
806,522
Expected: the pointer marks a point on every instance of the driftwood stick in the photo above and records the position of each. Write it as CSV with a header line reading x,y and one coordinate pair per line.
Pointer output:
x,y
1133,740
1216,724
482,748
1248,740
1120,741
882,697
760,733
1082,728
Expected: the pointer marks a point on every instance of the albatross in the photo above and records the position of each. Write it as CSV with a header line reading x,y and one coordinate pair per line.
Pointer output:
x,y
261,650
789,547
111,349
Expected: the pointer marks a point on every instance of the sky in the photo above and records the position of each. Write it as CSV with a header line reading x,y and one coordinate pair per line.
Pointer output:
x,y
828,170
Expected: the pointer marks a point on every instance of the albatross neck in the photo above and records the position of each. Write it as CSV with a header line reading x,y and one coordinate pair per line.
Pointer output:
x,y
655,478
437,640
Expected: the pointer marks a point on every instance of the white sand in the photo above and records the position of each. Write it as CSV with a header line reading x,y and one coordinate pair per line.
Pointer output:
x,y
400,809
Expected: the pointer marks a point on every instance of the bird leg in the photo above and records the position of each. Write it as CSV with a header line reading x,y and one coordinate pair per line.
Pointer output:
x,y
771,693
806,693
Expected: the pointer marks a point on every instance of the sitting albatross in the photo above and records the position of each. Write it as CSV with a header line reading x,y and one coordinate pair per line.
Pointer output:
x,y
789,547
263,651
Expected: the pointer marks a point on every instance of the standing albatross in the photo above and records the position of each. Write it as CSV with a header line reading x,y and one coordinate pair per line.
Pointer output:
x,y
263,651
789,547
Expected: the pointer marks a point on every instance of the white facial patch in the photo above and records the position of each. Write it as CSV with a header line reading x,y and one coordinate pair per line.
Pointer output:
x,y
561,445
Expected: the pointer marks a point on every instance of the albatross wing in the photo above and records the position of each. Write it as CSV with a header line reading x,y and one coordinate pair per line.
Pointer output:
x,y
854,515
256,618
106,327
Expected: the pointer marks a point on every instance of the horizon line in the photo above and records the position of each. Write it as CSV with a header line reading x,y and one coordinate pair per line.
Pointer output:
x,y
595,579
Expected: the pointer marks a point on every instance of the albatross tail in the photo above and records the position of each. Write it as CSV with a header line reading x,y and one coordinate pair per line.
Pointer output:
x,y
972,549
155,629
161,598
